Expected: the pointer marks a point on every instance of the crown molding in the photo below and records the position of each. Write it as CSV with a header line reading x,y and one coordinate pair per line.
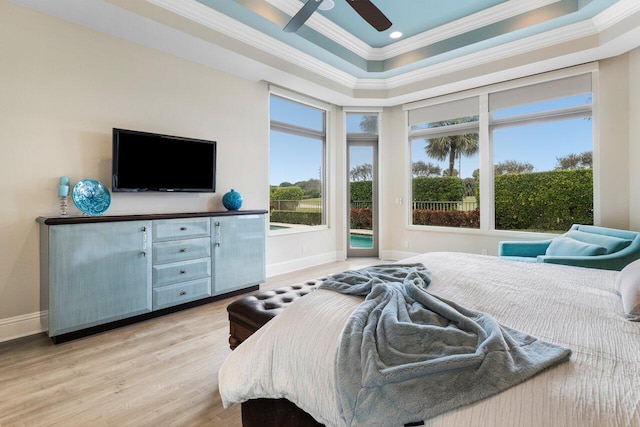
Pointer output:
x,y
327,28
455,28
336,85
197,12
526,45
616,13
478,20
213,19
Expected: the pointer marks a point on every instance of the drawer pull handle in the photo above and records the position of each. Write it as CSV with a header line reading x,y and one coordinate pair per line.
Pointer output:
x,y
183,250
183,228
182,293
144,242
183,271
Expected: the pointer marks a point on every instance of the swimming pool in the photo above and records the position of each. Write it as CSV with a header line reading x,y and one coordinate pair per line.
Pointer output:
x,y
277,227
356,240
361,240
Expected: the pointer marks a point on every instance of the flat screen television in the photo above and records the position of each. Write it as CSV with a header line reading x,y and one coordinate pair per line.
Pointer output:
x,y
145,161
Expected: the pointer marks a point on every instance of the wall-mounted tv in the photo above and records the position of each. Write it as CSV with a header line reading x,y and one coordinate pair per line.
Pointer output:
x,y
145,161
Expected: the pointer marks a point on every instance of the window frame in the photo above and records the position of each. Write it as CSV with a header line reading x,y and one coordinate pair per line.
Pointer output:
x,y
292,129
486,125
374,140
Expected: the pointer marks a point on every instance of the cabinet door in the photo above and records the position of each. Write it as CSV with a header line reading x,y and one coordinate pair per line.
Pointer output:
x,y
238,246
99,273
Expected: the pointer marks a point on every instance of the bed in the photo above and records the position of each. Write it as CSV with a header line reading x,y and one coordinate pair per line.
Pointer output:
x,y
293,356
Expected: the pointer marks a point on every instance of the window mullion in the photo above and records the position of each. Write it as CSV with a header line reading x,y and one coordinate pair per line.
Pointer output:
x,y
296,130
436,132
487,208
577,112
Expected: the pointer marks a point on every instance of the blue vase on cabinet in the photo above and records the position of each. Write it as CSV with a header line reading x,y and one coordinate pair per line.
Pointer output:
x,y
232,200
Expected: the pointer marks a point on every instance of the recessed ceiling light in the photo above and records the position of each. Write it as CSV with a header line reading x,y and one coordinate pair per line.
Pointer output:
x,y
326,5
395,35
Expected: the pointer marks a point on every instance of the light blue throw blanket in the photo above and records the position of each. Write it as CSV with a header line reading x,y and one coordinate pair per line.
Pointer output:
x,y
406,355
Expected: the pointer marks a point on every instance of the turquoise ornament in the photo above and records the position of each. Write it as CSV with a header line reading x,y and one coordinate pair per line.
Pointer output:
x,y
91,197
232,200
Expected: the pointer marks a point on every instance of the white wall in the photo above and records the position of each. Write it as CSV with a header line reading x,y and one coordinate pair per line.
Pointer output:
x,y
634,139
63,88
612,125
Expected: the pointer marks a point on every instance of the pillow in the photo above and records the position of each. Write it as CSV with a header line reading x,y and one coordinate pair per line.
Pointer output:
x,y
566,246
613,244
628,284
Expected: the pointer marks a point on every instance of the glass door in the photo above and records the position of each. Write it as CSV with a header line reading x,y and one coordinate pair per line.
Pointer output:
x,y
362,161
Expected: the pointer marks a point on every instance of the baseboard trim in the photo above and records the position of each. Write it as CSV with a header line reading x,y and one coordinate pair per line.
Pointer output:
x,y
301,263
23,325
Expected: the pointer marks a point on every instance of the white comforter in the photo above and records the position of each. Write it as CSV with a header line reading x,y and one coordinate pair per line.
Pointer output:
x,y
293,356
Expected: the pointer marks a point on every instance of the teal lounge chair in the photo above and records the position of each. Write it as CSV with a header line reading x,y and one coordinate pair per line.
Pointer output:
x,y
582,246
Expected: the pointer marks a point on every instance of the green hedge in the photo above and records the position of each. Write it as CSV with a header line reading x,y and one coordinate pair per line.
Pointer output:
x,y
465,219
438,189
292,217
541,201
287,193
361,218
361,191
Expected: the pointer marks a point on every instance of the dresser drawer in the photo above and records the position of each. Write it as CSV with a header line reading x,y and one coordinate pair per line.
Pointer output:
x,y
181,250
167,274
179,293
176,229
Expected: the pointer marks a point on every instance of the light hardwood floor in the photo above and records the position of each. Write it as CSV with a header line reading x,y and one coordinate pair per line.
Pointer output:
x,y
160,372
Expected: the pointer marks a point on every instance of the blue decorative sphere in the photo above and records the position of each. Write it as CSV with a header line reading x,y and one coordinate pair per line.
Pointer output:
x,y
232,200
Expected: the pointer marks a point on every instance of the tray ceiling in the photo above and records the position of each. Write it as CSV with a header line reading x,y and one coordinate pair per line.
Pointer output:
x,y
337,56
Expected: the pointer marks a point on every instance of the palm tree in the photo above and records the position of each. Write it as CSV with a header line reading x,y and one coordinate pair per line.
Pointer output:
x,y
452,146
362,172
369,124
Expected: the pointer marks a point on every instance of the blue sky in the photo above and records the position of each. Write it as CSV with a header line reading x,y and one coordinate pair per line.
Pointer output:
x,y
295,158
538,144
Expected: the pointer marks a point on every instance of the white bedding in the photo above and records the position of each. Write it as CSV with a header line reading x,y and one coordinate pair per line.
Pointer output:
x,y
293,356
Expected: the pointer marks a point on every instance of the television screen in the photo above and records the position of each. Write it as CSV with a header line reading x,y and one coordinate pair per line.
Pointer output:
x,y
152,162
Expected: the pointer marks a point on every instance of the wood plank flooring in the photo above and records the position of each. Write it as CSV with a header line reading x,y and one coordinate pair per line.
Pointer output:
x,y
160,372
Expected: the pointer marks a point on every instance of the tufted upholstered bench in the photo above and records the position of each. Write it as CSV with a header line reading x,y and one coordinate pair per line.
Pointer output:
x,y
247,315
250,313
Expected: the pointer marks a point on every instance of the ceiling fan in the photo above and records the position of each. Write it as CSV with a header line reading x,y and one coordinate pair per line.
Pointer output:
x,y
365,8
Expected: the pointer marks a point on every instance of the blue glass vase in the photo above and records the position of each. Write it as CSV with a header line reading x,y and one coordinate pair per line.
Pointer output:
x,y
232,200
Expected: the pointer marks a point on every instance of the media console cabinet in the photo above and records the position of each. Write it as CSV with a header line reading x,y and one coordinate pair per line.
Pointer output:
x,y
97,273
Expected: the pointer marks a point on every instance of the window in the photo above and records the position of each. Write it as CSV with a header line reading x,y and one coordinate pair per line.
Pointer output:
x,y
362,159
445,148
542,153
297,164
536,139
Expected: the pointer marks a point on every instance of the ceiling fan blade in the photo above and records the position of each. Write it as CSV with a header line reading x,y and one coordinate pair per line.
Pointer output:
x,y
301,17
371,14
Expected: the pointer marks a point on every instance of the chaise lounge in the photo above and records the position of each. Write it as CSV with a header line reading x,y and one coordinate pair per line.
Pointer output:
x,y
582,246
